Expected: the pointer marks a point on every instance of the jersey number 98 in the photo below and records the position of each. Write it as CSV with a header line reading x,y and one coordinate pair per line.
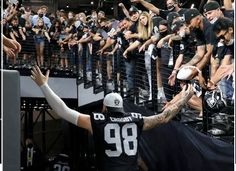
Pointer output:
x,y
125,135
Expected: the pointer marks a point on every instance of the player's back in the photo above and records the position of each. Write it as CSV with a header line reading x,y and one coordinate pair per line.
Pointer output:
x,y
116,140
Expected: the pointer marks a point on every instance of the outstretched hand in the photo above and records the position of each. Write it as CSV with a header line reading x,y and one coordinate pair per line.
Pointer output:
x,y
38,77
187,92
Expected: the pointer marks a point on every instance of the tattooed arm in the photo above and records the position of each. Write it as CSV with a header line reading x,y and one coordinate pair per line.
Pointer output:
x,y
156,120
198,56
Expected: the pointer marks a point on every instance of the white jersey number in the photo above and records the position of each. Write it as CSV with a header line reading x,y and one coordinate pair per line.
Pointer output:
x,y
59,167
126,135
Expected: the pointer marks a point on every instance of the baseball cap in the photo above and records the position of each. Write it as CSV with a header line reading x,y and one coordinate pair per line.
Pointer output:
x,y
176,25
190,14
171,16
114,102
212,5
133,9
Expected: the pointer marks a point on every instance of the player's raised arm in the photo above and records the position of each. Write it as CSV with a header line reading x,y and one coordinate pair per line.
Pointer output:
x,y
56,102
170,111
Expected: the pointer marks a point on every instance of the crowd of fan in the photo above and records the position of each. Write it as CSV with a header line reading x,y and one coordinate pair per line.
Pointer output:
x,y
154,34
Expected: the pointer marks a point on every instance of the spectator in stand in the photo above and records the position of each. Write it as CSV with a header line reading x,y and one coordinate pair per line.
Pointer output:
x,y
54,33
10,46
202,28
224,29
41,14
101,14
16,33
131,35
188,49
172,6
212,11
28,48
40,33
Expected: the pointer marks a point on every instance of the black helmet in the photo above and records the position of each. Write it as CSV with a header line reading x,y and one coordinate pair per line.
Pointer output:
x,y
213,101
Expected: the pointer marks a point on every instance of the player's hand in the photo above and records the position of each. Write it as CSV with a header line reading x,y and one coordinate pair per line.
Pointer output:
x,y
187,91
38,77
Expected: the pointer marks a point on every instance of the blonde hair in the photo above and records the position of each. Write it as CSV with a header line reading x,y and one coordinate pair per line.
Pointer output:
x,y
145,31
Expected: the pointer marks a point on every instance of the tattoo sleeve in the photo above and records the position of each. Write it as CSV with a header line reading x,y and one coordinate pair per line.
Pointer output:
x,y
194,60
156,120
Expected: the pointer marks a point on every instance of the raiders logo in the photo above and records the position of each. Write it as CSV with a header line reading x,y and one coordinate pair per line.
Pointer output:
x,y
116,102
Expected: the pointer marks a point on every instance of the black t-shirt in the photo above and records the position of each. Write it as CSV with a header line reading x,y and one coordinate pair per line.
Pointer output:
x,y
229,14
230,50
124,44
205,36
116,139
15,29
60,162
134,27
188,47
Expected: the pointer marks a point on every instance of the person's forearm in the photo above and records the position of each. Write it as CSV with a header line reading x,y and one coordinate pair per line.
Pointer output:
x,y
6,41
194,60
59,106
228,5
150,7
12,36
115,48
9,17
125,11
219,74
85,40
109,43
134,36
166,115
198,56
166,38
21,33
215,63
178,62
148,42
205,60
133,46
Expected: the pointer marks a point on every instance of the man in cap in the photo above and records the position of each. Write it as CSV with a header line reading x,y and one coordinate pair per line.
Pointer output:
x,y
116,133
212,11
41,14
188,49
172,17
202,28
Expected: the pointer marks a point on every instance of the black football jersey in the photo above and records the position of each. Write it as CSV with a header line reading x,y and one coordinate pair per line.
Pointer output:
x,y
116,139
59,163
